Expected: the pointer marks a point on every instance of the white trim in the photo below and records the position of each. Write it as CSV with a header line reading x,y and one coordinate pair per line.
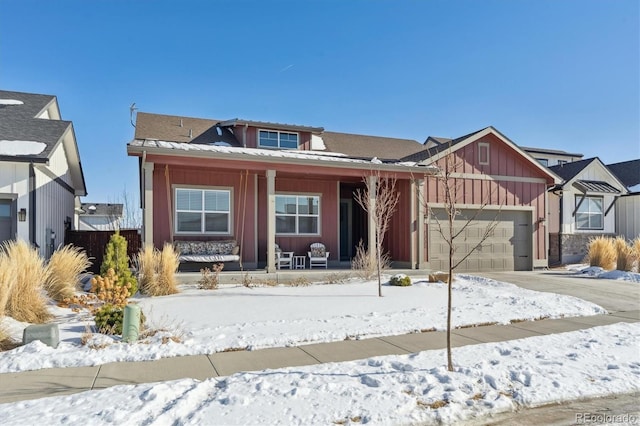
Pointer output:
x,y
147,182
498,178
481,146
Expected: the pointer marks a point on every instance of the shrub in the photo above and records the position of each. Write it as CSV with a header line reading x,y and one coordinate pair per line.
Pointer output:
x,y
7,280
364,266
115,257
109,290
210,277
400,280
146,262
64,269
25,302
624,254
601,253
109,319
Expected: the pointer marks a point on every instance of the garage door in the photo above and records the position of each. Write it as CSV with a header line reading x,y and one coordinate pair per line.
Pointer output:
x,y
508,248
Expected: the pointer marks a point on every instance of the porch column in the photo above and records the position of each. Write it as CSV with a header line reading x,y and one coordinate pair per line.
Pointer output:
x,y
147,218
420,197
372,184
271,221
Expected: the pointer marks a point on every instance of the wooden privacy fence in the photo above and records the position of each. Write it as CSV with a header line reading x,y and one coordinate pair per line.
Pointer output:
x,y
94,243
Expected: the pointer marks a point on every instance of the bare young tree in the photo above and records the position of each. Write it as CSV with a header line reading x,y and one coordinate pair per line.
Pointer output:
x,y
451,230
380,198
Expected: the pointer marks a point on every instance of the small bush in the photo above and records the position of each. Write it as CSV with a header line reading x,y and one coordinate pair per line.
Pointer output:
x,y
601,253
64,269
109,319
364,266
110,290
400,280
210,277
25,302
116,258
624,254
299,282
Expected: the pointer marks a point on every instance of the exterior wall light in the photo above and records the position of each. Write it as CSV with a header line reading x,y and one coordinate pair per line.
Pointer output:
x,y
22,214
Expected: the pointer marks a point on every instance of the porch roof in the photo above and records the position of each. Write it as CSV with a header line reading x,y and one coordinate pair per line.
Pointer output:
x,y
315,158
595,186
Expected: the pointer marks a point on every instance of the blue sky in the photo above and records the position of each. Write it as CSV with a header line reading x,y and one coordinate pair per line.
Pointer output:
x,y
552,74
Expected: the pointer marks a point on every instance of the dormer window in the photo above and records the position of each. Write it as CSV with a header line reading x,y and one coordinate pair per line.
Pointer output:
x,y
276,139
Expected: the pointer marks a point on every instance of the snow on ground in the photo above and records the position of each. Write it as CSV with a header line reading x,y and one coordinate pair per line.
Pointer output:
x,y
598,272
209,321
403,389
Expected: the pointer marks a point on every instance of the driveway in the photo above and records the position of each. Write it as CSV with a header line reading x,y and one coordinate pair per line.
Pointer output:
x,y
613,295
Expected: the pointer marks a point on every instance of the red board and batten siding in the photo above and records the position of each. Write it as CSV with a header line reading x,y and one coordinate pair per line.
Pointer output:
x,y
328,191
206,178
504,162
398,238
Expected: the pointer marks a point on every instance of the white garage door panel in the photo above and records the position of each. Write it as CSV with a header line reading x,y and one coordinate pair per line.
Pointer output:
x,y
508,248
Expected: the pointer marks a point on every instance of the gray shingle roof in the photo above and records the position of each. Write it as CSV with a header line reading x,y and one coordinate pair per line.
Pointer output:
x,y
628,172
18,122
444,145
568,171
172,128
363,146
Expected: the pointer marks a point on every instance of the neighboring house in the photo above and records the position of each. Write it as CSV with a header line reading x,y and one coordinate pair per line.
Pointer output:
x,y
100,217
41,176
582,207
262,183
628,205
552,157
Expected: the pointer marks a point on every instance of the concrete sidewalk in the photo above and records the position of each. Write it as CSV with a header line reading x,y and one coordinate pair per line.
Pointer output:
x,y
621,299
64,381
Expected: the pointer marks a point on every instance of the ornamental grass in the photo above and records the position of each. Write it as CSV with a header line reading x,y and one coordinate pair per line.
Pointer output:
x,y
157,270
26,301
167,268
624,254
601,252
64,270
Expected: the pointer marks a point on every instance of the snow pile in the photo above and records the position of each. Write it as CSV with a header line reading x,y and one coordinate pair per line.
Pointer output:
x,y
10,102
598,272
404,389
13,148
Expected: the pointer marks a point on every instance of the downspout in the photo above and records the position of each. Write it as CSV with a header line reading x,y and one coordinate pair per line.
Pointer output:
x,y
32,204
141,174
560,227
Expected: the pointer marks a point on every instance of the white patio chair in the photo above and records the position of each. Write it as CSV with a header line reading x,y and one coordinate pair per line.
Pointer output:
x,y
318,255
284,259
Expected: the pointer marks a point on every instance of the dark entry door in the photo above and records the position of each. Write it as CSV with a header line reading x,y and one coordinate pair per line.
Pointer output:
x,y
7,221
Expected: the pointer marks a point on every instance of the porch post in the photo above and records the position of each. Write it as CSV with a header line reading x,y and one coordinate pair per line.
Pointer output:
x,y
147,219
372,185
271,221
420,219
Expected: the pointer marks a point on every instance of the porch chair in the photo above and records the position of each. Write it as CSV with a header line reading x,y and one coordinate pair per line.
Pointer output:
x,y
283,258
318,255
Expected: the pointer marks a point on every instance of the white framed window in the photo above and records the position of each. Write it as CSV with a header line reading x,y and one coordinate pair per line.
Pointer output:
x,y
483,153
297,214
543,161
277,139
590,213
202,211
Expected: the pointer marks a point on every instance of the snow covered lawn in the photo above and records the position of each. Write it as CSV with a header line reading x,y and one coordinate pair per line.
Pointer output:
x,y
210,321
405,389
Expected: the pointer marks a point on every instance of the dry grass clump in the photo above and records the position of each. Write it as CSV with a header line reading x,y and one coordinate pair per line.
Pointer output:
x,y
635,245
624,254
63,272
25,301
157,270
364,266
601,252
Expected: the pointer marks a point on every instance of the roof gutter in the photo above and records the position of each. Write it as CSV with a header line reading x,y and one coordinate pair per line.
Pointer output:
x,y
422,169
